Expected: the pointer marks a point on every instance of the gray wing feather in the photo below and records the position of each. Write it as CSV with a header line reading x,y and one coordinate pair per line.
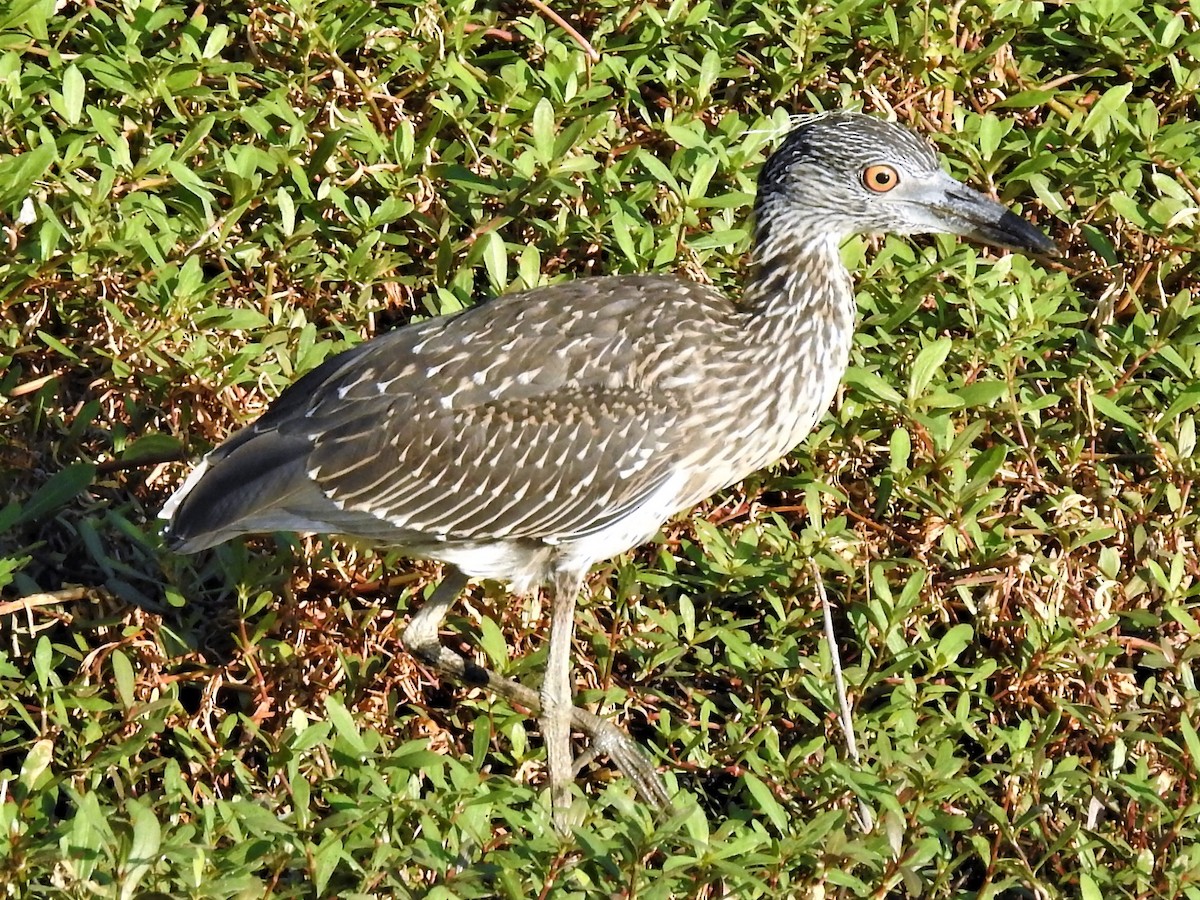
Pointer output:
x,y
500,470
541,415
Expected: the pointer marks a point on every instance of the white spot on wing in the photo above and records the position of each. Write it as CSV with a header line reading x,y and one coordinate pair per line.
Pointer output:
x,y
172,504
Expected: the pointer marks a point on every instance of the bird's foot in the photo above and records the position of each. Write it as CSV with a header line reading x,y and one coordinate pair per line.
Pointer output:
x,y
609,740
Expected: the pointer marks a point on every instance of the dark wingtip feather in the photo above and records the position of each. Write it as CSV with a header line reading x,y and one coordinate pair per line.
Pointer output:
x,y
172,540
226,495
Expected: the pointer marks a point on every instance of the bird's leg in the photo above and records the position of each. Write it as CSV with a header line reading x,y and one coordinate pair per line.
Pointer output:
x,y
421,639
556,692
421,636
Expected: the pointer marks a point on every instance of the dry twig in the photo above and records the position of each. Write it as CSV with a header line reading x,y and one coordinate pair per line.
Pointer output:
x,y
562,23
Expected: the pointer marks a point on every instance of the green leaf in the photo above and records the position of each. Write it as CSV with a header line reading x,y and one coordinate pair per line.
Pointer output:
x,y
10,514
301,800
218,37
1026,100
985,465
982,393
233,319
36,762
1088,889
1110,410
124,678
493,643
543,131
710,70
1124,205
1190,739
256,818
952,644
926,365
767,801
58,346
189,180
1185,401
143,849
18,173
872,384
1108,113
287,212
73,90
325,149
29,15
991,131
325,862
900,446
622,227
655,167
43,658
344,724
495,260
153,446
62,487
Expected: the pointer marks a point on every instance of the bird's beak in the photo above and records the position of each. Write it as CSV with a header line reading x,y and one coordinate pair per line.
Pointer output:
x,y
969,213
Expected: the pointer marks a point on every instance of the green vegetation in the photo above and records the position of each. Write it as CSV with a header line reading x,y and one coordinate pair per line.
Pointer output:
x,y
200,202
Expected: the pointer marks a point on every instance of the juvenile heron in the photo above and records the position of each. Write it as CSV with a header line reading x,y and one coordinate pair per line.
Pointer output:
x,y
536,434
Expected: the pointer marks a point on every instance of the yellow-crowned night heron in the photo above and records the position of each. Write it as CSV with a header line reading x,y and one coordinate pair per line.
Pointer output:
x,y
543,431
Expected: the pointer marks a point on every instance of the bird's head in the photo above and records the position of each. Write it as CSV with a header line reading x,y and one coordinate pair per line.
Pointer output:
x,y
847,173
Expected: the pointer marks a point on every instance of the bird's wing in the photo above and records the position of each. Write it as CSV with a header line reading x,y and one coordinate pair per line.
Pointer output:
x,y
551,419
502,469
546,415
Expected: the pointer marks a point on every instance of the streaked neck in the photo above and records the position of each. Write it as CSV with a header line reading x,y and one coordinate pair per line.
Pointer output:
x,y
794,269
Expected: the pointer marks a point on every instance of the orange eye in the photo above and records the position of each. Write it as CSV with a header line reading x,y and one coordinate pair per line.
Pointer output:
x,y
880,179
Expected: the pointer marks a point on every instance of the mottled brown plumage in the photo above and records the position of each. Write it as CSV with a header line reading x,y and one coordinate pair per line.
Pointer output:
x,y
543,431
546,453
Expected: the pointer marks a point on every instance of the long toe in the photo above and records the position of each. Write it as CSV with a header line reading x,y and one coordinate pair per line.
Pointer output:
x,y
607,739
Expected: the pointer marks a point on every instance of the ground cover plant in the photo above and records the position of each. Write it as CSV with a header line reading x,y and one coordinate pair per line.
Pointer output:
x,y
200,202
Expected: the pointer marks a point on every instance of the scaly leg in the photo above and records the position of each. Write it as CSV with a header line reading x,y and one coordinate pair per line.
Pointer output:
x,y
421,636
421,639
556,694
